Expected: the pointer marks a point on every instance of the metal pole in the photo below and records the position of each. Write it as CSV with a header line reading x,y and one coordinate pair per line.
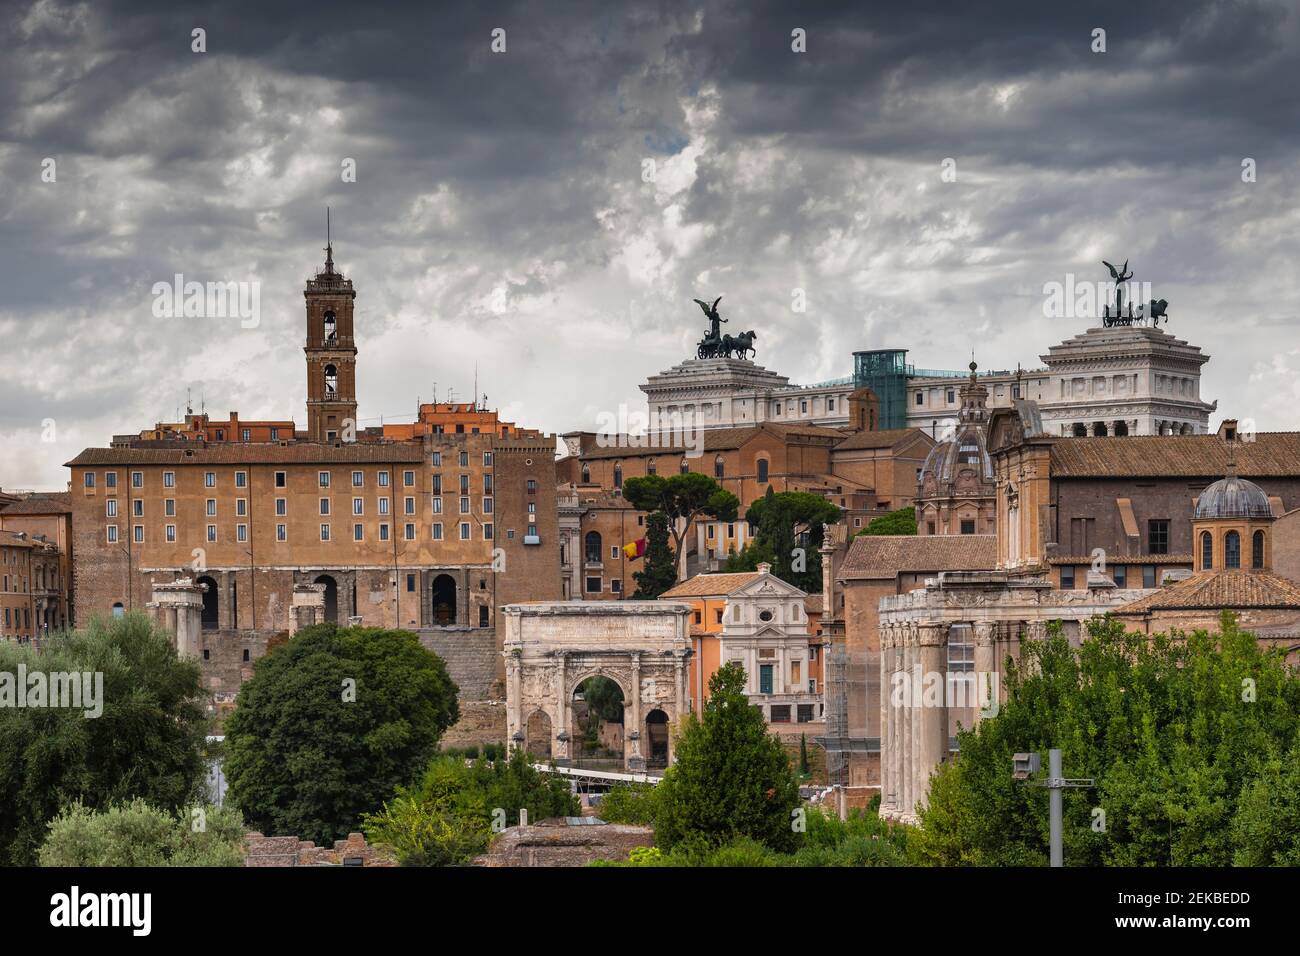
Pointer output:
x,y
1054,785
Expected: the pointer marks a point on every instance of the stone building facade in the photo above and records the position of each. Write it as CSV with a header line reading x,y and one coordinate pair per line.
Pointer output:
x,y
1126,380
44,521
958,631
551,648
430,526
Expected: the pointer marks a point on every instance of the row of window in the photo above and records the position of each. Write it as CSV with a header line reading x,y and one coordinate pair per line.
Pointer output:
x,y
1232,550
761,467
282,506
282,532
323,478
26,623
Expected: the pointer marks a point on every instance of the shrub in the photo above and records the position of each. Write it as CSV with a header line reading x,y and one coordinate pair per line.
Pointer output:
x,y
136,834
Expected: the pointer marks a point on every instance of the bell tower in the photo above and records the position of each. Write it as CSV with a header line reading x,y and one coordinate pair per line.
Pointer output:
x,y
331,353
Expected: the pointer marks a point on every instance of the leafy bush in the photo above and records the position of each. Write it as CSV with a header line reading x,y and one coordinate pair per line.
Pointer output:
x,y
148,741
136,834
448,817
632,803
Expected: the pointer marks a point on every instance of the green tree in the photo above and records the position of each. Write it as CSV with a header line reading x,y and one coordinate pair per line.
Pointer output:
x,y
331,724
1266,827
136,834
1177,731
790,527
146,743
682,499
659,572
731,777
804,769
448,817
902,521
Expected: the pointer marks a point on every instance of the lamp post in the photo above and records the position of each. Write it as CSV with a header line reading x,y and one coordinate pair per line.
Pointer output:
x,y
1026,764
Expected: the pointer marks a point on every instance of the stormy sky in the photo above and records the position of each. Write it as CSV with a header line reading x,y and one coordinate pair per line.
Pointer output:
x,y
550,211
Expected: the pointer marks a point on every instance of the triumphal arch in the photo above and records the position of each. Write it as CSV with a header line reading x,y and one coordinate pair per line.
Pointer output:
x,y
552,647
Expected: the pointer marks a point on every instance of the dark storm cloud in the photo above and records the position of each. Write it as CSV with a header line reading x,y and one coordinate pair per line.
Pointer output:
x,y
485,178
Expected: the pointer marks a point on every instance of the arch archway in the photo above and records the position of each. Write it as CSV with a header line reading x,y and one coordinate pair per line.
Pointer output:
x,y
596,708
1080,430
331,597
537,734
443,604
1099,430
210,616
656,739
1121,429
118,609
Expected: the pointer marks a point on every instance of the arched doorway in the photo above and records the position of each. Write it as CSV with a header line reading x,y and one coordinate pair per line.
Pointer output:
x,y
537,735
1080,430
444,600
331,598
1121,429
596,718
1099,430
210,616
118,609
656,739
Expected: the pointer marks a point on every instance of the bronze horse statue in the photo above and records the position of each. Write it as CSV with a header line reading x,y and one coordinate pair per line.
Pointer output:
x,y
741,344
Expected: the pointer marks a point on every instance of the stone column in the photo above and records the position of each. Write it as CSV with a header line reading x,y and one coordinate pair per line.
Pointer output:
x,y
514,709
561,733
988,683
889,753
177,606
635,760
906,715
932,651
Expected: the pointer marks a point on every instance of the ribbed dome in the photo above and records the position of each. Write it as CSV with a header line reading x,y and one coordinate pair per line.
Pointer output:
x,y
965,448
1233,497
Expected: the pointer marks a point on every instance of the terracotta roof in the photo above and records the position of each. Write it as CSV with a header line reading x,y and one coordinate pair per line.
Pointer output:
x,y
887,555
710,585
1269,455
242,453
1213,590
889,438
40,503
813,603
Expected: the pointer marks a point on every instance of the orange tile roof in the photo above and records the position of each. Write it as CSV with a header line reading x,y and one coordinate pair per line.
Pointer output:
x,y
710,585
888,438
887,555
40,503
1268,455
1213,590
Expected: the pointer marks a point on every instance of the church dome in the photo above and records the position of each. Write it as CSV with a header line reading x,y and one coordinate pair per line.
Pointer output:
x,y
1233,497
965,451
